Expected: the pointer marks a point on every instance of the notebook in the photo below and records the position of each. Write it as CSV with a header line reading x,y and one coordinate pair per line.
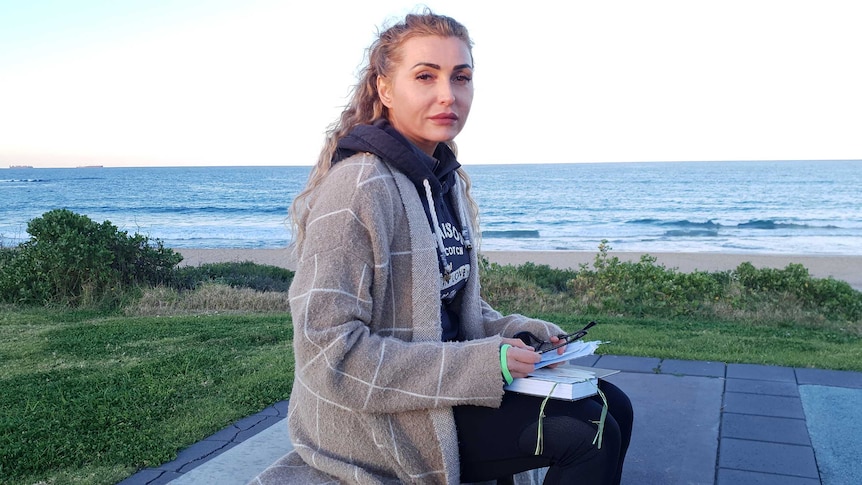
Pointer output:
x,y
570,382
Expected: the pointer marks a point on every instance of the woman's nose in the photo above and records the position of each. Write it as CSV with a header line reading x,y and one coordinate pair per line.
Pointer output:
x,y
445,93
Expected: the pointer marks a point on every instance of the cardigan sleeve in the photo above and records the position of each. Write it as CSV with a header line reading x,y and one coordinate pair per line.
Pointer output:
x,y
508,325
353,326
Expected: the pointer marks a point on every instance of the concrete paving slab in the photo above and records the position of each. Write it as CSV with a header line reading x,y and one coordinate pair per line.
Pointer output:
x,y
760,372
765,428
240,464
629,364
741,477
774,458
762,387
778,406
675,436
693,368
834,378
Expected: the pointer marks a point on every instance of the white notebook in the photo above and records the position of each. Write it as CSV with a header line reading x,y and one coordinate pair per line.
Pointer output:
x,y
570,382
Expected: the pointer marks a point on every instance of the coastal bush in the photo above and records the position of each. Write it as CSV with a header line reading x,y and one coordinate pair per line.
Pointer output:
x,y
642,288
543,276
71,259
835,299
7,254
647,289
527,287
259,277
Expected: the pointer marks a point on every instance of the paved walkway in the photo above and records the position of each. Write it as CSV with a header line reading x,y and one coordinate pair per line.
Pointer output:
x,y
695,423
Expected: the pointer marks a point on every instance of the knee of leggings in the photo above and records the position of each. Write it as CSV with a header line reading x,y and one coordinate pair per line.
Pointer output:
x,y
566,440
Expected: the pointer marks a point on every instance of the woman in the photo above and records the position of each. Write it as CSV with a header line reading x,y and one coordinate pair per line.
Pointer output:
x,y
400,365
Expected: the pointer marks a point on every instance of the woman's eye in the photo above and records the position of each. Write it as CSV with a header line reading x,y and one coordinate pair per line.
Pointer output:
x,y
424,77
463,78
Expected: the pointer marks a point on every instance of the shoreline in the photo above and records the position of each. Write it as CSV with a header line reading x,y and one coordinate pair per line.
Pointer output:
x,y
843,268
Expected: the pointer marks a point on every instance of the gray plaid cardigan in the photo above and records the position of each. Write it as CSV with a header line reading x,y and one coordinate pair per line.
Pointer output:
x,y
374,385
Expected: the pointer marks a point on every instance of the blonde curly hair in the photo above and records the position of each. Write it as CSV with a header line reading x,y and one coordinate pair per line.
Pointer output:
x,y
364,105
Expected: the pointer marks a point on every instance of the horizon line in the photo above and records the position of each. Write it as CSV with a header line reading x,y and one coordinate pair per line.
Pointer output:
x,y
102,166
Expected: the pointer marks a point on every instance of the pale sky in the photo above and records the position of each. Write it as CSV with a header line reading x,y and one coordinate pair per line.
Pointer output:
x,y
256,82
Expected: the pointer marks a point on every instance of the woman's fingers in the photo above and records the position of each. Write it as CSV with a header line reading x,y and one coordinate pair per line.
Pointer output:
x,y
521,361
555,340
516,342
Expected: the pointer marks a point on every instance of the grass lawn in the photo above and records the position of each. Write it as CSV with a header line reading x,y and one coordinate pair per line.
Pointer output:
x,y
87,398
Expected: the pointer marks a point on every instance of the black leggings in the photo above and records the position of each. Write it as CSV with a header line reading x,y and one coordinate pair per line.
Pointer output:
x,y
497,443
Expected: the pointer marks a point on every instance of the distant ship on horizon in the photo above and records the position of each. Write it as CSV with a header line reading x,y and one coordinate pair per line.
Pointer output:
x,y
31,166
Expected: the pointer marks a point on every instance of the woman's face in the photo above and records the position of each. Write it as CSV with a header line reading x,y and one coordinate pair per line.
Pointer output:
x,y
430,91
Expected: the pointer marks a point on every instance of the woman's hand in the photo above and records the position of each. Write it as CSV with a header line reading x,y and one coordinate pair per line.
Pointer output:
x,y
554,339
521,359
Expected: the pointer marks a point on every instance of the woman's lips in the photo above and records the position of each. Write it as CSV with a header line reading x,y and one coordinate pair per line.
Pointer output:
x,y
445,118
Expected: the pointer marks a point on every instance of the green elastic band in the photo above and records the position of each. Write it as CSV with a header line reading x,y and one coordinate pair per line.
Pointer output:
x,y
540,443
600,424
504,365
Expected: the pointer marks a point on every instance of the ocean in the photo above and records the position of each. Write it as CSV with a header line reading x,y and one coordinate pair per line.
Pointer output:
x,y
780,207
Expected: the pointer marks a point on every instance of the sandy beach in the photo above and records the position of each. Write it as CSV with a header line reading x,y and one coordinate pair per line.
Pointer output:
x,y
844,268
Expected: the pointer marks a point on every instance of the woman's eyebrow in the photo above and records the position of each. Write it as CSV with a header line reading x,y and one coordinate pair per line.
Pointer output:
x,y
437,66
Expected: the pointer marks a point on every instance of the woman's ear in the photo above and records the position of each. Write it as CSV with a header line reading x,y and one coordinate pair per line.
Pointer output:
x,y
384,90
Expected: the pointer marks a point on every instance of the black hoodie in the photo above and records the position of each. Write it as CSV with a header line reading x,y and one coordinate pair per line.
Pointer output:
x,y
381,139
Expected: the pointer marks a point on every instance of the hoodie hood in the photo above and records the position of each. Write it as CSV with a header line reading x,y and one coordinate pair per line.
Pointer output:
x,y
383,140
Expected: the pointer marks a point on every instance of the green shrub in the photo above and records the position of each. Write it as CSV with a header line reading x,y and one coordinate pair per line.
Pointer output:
x,y
543,276
504,286
6,256
71,259
836,299
642,288
238,275
646,289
